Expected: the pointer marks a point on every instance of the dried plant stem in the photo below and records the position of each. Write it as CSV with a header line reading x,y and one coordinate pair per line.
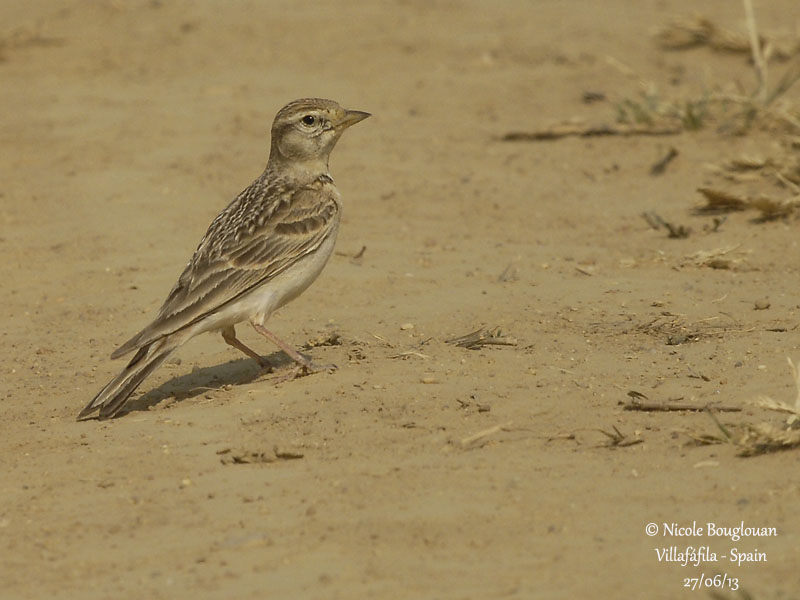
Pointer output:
x,y
678,406
796,376
789,78
483,434
758,57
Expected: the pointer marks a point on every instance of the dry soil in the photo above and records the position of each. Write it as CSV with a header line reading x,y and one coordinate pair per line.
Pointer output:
x,y
419,469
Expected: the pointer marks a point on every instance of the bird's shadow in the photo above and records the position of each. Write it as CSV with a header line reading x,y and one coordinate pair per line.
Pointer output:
x,y
205,379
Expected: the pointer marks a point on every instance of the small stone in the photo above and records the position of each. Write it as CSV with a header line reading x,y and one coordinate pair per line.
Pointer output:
x,y
763,304
406,326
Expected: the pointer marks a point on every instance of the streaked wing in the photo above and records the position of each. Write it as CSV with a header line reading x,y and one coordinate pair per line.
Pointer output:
x,y
245,246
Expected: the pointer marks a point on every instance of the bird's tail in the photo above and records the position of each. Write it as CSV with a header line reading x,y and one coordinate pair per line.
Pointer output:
x,y
116,392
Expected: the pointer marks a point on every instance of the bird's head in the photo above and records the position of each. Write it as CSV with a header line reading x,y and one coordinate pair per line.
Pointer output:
x,y
305,131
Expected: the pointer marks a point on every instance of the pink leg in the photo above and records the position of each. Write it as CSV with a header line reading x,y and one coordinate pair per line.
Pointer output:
x,y
305,366
229,335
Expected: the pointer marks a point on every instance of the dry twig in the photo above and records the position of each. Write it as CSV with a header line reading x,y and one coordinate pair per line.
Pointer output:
x,y
661,165
634,404
246,457
755,48
557,132
483,337
617,439
471,440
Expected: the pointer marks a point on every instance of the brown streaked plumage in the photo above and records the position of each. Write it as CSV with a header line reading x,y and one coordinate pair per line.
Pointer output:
x,y
261,252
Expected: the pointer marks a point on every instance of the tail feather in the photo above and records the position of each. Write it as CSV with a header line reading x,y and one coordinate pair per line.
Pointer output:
x,y
113,396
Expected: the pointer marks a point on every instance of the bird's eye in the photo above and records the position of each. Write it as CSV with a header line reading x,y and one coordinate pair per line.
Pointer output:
x,y
309,120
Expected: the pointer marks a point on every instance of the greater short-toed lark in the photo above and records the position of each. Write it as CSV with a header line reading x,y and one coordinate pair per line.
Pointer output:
x,y
261,252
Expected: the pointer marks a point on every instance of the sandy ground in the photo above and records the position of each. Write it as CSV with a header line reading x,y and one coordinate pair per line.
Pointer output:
x,y
419,469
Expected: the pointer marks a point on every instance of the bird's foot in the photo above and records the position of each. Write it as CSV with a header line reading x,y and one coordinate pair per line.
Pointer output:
x,y
304,369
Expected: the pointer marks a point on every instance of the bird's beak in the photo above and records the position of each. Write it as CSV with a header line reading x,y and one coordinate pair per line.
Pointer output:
x,y
351,117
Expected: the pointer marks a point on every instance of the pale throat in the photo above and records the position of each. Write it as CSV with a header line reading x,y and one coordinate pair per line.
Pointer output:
x,y
305,169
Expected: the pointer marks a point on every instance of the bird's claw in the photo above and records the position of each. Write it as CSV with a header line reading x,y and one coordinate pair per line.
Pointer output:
x,y
303,370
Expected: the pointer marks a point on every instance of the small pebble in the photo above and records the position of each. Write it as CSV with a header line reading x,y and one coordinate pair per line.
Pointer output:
x,y
429,379
762,304
406,326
